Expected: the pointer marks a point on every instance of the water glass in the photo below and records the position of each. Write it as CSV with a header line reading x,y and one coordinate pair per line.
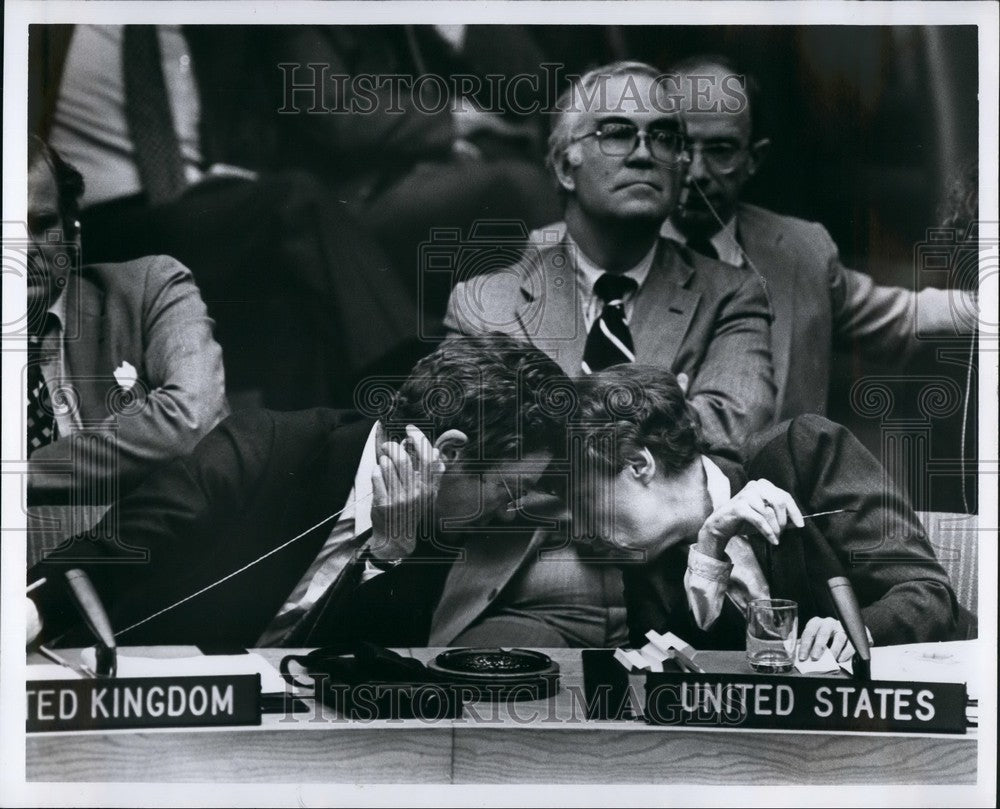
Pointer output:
x,y
772,629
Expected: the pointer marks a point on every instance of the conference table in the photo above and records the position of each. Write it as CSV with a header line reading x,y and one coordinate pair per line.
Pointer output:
x,y
542,741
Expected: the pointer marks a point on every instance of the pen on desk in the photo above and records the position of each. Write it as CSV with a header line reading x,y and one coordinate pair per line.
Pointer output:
x,y
686,662
35,585
45,651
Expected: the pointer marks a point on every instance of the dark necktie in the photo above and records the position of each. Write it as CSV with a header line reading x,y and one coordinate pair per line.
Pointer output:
x,y
703,246
147,111
333,600
609,341
40,421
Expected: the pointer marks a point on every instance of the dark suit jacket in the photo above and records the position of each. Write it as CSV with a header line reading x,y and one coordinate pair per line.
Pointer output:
x,y
904,593
818,304
148,313
692,315
254,483
387,129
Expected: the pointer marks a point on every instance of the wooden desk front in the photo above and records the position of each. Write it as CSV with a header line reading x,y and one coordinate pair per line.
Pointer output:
x,y
548,741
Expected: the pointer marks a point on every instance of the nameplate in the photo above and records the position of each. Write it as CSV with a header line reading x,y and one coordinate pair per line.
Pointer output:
x,y
146,702
804,703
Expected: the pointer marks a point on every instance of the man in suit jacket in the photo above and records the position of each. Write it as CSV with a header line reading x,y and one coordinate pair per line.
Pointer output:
x,y
618,168
689,315
708,541
278,521
122,361
817,302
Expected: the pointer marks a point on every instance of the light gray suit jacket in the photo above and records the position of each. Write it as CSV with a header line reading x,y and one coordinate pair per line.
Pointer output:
x,y
692,315
148,313
818,304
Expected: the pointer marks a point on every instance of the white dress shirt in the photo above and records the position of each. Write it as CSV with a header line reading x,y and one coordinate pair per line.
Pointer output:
x,y
724,241
707,580
90,128
588,273
340,548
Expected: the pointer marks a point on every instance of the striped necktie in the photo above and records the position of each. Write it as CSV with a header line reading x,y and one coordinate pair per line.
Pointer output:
x,y
610,341
40,418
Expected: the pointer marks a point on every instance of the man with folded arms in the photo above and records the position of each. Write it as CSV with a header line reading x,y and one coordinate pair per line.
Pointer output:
x,y
124,372
706,535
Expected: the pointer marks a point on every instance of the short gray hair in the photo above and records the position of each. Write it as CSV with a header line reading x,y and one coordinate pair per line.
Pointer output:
x,y
561,135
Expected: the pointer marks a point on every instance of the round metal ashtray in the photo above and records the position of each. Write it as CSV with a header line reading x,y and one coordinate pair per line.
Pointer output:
x,y
499,674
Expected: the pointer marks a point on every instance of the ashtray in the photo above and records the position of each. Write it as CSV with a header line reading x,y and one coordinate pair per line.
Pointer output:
x,y
498,674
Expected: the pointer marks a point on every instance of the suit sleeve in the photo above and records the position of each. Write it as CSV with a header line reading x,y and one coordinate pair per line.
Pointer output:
x,y
734,391
887,322
182,391
376,114
904,593
164,529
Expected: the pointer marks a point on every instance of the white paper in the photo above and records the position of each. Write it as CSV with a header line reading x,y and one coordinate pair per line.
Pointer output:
x,y
196,666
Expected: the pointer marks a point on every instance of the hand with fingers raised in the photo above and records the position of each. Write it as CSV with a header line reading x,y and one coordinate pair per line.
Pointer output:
x,y
760,507
405,484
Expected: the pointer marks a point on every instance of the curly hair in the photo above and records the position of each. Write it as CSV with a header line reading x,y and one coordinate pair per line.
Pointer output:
x,y
504,394
637,406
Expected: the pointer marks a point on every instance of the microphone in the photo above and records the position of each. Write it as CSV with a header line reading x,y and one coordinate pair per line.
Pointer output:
x,y
845,602
92,610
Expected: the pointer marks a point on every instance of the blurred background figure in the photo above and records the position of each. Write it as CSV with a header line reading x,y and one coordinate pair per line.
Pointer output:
x,y
174,130
817,302
443,148
121,355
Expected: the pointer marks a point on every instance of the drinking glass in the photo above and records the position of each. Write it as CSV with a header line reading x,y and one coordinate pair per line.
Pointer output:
x,y
772,629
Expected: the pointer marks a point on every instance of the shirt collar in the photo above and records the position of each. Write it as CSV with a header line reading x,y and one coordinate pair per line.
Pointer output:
x,y
719,490
57,309
590,272
724,241
363,491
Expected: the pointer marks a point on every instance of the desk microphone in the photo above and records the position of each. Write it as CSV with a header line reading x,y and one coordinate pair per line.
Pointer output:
x,y
845,602
92,610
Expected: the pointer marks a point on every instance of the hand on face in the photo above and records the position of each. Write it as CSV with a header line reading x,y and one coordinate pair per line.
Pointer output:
x,y
405,485
760,507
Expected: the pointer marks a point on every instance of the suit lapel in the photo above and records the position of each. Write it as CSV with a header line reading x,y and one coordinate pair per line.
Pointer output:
x,y
762,246
663,308
87,351
476,580
550,312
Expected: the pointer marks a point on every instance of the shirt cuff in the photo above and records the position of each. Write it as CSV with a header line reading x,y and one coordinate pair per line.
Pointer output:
x,y
708,567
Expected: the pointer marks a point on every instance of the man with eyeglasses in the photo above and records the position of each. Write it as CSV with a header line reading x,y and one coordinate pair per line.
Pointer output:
x,y
815,299
598,289
602,288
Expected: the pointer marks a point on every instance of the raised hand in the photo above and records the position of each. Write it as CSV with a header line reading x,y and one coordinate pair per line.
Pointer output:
x,y
405,485
760,507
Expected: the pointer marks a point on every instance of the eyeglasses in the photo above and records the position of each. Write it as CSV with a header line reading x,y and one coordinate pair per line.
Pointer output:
x,y
722,157
617,139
